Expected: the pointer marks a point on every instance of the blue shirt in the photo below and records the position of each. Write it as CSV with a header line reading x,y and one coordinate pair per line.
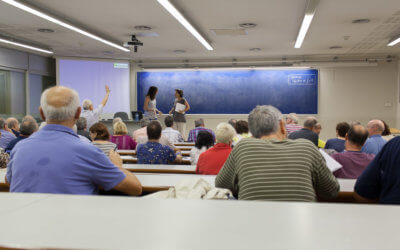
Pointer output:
x,y
14,142
336,144
5,138
55,160
381,179
373,145
154,153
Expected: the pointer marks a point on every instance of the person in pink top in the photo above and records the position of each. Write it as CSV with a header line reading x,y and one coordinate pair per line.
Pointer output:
x,y
291,123
121,137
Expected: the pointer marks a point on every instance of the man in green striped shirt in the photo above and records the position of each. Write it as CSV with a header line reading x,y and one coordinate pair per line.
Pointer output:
x,y
272,167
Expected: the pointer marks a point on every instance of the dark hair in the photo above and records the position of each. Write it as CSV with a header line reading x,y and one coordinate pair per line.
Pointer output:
x,y
342,128
387,129
232,122
28,127
357,136
310,123
180,92
242,127
101,131
204,139
169,121
81,123
152,92
154,130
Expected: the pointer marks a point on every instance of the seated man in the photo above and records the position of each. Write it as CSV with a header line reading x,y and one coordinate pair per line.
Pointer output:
x,y
13,124
306,132
140,135
337,143
173,135
380,182
292,123
317,129
55,160
270,167
28,127
211,161
6,134
153,152
199,126
375,142
81,128
353,160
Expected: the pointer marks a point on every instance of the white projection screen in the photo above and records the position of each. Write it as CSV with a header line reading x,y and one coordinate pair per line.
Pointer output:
x,y
89,78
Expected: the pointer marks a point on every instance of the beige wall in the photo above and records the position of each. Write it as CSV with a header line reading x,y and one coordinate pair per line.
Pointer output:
x,y
345,94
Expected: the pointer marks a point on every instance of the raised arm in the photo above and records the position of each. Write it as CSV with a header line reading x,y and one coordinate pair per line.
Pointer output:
x,y
104,102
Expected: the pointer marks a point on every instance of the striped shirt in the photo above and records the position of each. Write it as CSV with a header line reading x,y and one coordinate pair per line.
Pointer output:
x,y
105,147
285,170
290,128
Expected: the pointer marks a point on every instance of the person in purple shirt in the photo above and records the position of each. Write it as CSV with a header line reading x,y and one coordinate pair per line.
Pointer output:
x,y
375,142
353,160
338,143
6,135
199,126
121,137
55,160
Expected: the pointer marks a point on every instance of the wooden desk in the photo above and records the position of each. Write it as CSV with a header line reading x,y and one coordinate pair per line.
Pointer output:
x,y
184,144
129,159
133,152
4,187
175,169
96,222
184,148
346,193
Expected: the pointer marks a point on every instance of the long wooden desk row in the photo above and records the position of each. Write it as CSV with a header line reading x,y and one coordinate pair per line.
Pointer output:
x,y
44,221
174,169
133,159
133,152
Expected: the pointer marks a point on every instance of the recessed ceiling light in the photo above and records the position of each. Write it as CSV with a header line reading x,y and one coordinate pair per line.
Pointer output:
x,y
361,21
336,47
142,27
45,30
247,25
255,49
179,51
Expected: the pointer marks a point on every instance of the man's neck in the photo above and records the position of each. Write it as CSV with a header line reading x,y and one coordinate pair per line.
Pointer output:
x,y
69,124
156,141
273,136
351,147
341,138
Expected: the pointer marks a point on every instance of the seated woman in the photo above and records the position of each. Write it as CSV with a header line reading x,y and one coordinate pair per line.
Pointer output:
x,y
100,138
121,137
204,141
211,161
242,130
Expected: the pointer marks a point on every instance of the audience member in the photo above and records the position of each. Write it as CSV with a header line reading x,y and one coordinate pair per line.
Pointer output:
x,y
117,119
199,126
13,124
317,129
101,138
81,137
242,131
81,126
306,132
380,181
121,137
93,115
204,141
292,123
28,127
375,142
338,143
6,134
232,122
140,135
54,160
353,161
212,160
153,152
173,135
270,167
386,134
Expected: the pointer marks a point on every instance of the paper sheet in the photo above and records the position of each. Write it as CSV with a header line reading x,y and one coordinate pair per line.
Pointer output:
x,y
180,107
330,162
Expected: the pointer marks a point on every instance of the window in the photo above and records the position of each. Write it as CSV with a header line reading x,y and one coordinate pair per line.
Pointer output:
x,y
12,93
38,84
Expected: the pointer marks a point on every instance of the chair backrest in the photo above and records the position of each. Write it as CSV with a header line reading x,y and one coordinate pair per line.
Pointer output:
x,y
140,113
124,116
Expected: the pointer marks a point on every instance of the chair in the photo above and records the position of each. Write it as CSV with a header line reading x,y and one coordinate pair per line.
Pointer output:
x,y
140,114
124,116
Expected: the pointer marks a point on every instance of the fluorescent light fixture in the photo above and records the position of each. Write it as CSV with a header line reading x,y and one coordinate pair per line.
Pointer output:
x,y
336,64
178,16
25,46
394,42
59,22
308,17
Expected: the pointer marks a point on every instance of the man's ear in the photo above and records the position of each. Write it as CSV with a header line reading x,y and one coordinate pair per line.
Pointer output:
x,y
283,127
346,137
78,113
42,114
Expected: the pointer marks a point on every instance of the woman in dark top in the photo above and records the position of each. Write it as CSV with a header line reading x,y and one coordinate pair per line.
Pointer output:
x,y
179,113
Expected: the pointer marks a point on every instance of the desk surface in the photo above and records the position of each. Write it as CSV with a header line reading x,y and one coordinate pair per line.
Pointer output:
x,y
145,168
133,152
94,222
160,181
133,159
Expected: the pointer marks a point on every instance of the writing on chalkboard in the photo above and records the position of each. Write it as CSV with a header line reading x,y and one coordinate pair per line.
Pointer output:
x,y
302,79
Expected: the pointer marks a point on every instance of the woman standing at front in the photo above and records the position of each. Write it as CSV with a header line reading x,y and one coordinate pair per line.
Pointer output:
x,y
150,104
181,106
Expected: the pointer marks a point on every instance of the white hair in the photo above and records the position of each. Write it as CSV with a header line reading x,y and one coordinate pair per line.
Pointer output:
x,y
117,119
293,117
224,133
86,104
60,114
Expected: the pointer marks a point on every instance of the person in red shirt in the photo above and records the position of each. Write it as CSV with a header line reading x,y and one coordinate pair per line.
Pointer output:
x,y
212,160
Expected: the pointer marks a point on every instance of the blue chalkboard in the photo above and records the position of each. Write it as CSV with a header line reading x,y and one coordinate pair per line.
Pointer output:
x,y
234,91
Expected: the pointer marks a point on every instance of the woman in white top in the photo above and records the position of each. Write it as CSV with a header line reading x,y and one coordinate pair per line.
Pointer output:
x,y
150,104
204,141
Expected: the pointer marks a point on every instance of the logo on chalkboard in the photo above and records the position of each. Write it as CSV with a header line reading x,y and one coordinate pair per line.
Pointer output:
x,y
302,79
